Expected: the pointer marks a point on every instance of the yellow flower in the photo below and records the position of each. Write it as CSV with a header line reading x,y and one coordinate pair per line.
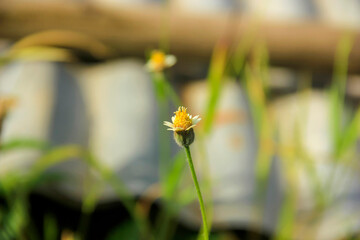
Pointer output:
x,y
182,126
67,235
159,61
182,121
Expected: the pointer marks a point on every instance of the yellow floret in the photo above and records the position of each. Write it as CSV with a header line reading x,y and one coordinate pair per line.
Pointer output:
x,y
182,119
158,60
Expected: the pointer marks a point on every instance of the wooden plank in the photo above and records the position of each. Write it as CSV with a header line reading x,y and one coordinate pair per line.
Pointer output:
x,y
130,31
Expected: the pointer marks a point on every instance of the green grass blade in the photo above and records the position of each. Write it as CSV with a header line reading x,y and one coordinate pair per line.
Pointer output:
x,y
174,175
337,90
23,144
351,134
215,77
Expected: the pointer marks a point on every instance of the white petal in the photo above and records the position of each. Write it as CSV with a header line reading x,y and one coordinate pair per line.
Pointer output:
x,y
195,121
173,119
150,66
171,129
169,124
190,127
170,60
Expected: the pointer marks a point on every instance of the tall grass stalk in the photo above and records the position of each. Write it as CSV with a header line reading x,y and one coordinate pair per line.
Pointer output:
x,y
197,186
342,139
256,79
215,82
337,90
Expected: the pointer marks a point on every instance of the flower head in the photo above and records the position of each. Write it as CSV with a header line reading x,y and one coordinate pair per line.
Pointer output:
x,y
182,126
182,121
159,61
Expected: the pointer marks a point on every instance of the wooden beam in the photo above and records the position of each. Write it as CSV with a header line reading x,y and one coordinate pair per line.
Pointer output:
x,y
130,31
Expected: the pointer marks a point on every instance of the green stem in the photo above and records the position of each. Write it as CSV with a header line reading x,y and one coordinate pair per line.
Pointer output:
x,y
202,206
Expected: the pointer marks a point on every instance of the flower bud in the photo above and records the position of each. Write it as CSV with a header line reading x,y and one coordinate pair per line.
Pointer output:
x,y
184,138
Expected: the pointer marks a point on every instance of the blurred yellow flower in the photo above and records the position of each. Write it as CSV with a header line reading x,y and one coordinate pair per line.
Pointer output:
x,y
182,121
67,235
159,61
6,103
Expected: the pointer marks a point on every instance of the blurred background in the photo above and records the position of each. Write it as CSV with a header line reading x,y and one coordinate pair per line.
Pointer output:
x,y
83,150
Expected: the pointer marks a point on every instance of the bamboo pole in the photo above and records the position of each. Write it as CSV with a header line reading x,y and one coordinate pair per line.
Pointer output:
x,y
116,32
